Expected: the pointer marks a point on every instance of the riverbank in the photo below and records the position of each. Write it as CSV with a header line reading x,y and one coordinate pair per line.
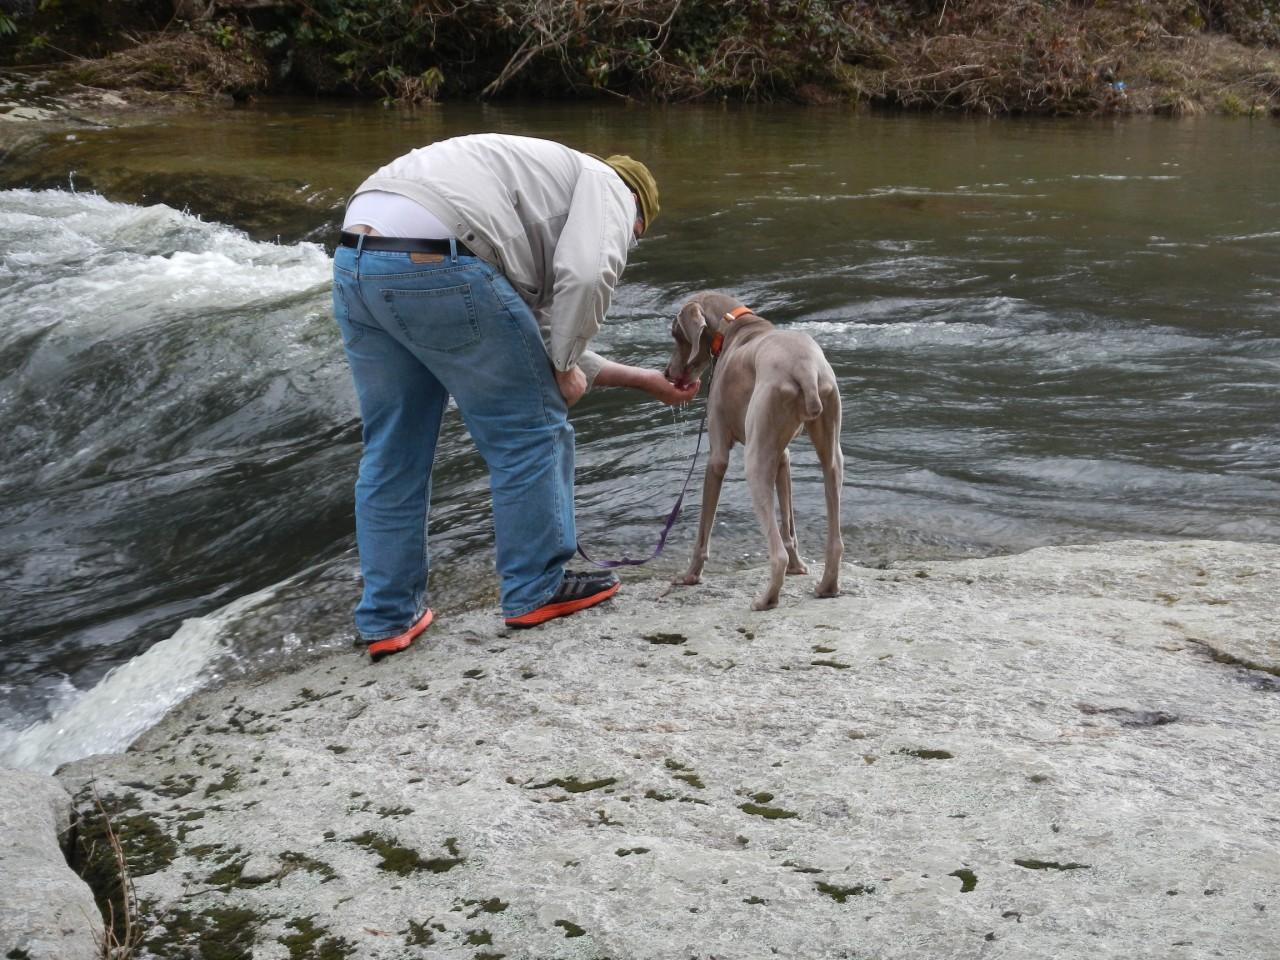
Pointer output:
x,y
1065,752
990,57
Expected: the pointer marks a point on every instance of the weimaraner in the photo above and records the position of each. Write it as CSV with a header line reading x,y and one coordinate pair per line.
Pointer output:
x,y
769,384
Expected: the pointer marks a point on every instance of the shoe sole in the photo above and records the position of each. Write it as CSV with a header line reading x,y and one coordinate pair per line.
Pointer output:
x,y
552,610
385,648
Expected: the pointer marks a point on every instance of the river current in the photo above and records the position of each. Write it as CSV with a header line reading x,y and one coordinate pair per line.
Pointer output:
x,y
1050,332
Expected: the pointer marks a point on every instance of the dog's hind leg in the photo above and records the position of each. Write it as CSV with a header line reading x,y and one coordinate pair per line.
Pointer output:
x,y
762,472
794,564
825,434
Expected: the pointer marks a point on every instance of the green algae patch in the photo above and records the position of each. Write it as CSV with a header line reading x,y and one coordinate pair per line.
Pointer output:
x,y
145,846
1031,864
769,813
926,754
492,905
229,875
842,894
310,942
968,879
670,639
420,934
229,782
219,933
574,785
834,664
628,851
800,867
300,861
405,860
683,772
175,786
570,928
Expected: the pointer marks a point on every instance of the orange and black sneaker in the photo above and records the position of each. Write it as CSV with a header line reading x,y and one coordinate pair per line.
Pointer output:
x,y
401,641
577,591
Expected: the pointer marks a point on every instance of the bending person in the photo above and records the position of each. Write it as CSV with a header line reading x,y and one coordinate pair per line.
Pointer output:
x,y
479,268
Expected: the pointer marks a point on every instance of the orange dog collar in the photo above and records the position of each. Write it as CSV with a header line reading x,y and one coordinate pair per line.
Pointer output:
x,y
717,340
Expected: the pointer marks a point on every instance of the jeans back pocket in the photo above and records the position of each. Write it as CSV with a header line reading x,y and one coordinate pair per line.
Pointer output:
x,y
440,319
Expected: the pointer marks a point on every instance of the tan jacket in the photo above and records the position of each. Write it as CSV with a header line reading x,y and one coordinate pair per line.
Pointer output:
x,y
556,222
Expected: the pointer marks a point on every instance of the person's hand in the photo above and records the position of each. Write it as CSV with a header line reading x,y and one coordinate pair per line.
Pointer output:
x,y
669,393
572,384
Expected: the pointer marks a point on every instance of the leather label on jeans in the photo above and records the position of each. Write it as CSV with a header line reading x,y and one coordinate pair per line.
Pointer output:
x,y
426,257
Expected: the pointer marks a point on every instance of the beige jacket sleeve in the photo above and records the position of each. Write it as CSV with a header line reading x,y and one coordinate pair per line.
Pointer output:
x,y
588,261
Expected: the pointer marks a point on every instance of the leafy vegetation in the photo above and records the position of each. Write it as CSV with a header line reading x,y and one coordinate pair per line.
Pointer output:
x,y
990,56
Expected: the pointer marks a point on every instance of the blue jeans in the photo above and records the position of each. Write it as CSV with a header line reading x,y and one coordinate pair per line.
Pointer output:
x,y
416,333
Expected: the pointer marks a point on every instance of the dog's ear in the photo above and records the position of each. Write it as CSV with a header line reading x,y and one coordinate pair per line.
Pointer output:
x,y
692,325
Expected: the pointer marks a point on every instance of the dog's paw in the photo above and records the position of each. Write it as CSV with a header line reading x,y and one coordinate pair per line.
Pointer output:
x,y
827,590
764,603
796,567
686,580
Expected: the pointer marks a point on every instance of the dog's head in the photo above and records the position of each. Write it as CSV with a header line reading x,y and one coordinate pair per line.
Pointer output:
x,y
692,348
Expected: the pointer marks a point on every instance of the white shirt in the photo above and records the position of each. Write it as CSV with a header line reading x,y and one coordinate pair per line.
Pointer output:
x,y
394,216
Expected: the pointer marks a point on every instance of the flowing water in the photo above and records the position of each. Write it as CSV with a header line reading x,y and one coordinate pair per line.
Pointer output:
x,y
1045,332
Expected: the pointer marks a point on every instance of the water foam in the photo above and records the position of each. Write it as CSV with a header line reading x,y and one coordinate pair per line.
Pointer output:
x,y
80,265
133,697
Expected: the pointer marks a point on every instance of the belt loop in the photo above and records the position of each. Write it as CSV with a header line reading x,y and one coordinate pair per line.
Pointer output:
x,y
453,249
359,250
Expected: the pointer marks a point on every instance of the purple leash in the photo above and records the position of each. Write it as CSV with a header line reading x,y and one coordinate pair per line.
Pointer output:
x,y
671,517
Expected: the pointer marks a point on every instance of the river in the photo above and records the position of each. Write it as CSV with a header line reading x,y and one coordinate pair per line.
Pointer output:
x,y
1045,332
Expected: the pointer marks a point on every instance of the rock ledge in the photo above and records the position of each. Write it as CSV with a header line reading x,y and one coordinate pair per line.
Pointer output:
x,y
1070,752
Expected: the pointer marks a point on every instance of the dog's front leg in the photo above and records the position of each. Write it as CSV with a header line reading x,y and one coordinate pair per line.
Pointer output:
x,y
717,464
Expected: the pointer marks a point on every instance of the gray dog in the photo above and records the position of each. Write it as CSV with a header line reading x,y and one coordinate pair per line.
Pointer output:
x,y
769,385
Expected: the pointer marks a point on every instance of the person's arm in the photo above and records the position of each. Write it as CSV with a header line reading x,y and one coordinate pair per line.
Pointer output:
x,y
589,257
652,382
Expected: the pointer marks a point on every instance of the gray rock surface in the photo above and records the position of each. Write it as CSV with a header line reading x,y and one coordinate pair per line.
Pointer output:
x,y
1056,754
46,911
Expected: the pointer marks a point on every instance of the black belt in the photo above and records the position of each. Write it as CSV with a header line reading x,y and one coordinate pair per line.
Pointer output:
x,y
402,244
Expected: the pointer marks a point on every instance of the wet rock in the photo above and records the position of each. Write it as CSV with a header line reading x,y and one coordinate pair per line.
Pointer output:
x,y
46,911
1129,717
620,798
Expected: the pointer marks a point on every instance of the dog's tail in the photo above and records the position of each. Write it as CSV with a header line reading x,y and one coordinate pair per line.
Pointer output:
x,y
812,400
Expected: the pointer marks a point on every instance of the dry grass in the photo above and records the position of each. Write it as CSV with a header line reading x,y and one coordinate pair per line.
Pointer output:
x,y
978,56
1031,57
185,62
1206,73
121,934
